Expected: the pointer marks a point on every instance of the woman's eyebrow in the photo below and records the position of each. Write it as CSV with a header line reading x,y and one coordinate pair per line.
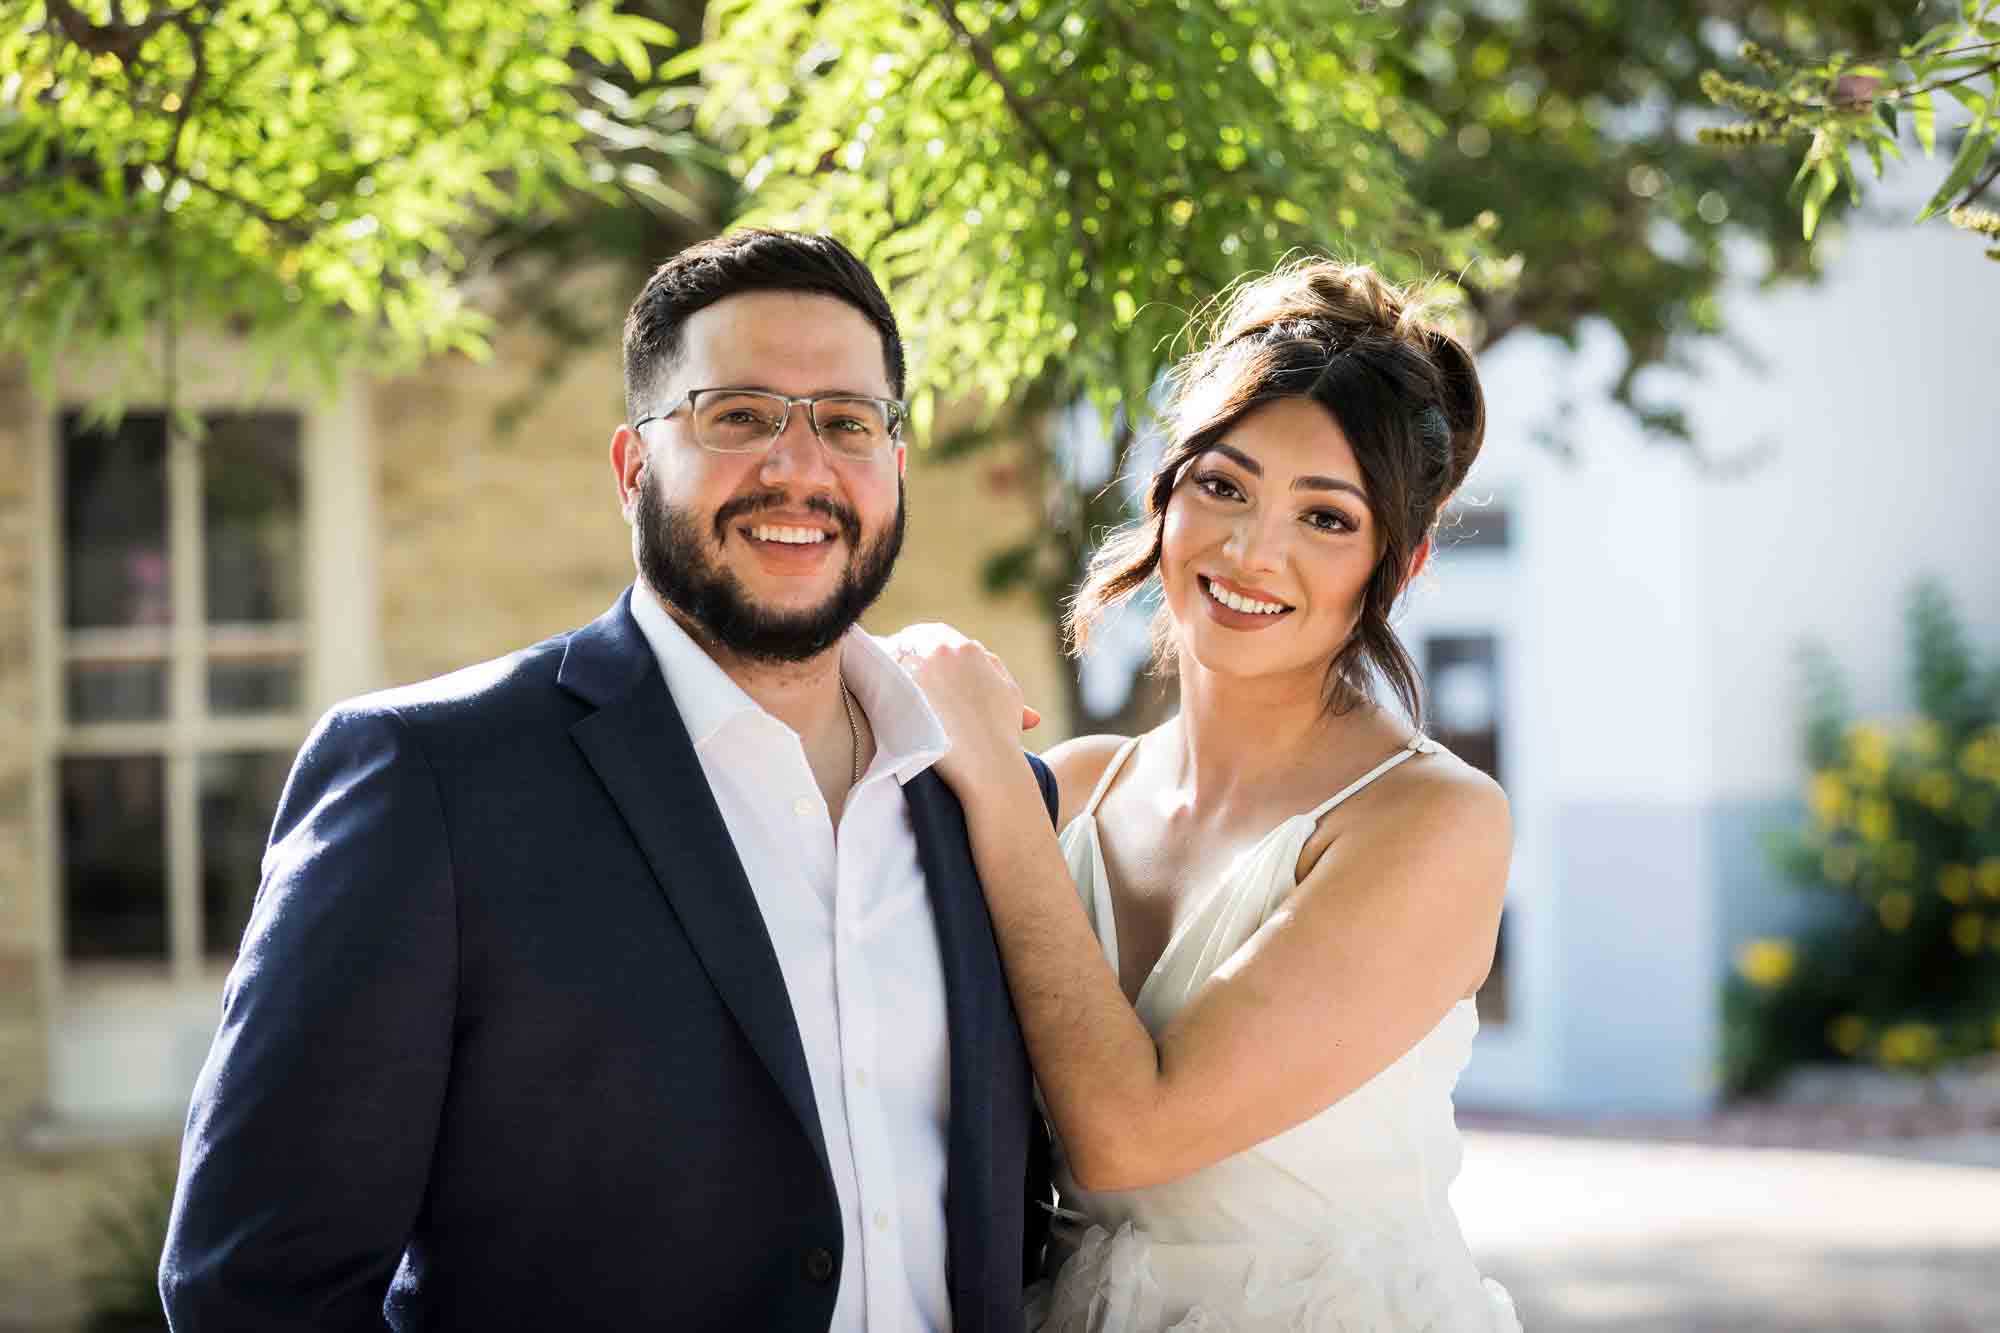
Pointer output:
x,y
1312,482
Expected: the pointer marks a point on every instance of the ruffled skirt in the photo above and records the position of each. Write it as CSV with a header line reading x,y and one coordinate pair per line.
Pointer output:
x,y
1124,1282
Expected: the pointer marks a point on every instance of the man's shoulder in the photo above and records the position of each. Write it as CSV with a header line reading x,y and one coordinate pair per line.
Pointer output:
x,y
481,694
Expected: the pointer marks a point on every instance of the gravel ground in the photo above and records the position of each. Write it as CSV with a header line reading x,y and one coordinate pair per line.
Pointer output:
x,y
1603,1232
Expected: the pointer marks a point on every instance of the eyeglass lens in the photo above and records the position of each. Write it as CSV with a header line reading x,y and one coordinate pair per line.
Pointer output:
x,y
739,422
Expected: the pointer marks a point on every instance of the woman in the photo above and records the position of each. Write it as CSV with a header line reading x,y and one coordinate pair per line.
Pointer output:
x,y
1247,1037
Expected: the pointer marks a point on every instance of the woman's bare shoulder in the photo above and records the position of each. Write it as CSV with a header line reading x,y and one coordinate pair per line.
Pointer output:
x,y
1455,809
1077,764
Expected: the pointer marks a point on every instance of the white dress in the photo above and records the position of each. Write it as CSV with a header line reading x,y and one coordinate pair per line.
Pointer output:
x,y
1338,1225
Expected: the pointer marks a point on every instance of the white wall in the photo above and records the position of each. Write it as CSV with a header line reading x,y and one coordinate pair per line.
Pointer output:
x,y
1651,615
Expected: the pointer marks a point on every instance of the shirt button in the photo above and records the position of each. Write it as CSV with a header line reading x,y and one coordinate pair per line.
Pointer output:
x,y
881,1220
802,806
819,1265
860,1078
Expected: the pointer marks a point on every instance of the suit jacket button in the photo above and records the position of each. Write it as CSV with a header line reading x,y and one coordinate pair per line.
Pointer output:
x,y
819,1265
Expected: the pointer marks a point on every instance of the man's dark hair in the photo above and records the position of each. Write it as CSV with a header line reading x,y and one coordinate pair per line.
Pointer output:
x,y
744,261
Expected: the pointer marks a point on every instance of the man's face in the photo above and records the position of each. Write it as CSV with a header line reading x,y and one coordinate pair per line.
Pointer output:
x,y
719,536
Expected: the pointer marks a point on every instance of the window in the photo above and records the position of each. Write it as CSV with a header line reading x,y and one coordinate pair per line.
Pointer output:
x,y
1462,680
1475,525
182,633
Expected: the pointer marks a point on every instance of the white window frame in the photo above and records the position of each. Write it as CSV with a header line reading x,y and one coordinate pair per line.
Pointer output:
x,y
126,1037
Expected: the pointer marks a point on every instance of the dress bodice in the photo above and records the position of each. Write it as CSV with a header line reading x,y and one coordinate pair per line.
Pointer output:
x,y
1341,1222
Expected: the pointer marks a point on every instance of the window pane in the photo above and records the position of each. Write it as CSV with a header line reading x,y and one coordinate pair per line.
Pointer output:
x,y
117,691
1462,687
1475,527
114,857
239,794
115,522
252,498
253,687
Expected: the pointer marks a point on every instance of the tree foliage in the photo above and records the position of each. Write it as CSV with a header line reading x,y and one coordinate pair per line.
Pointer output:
x,y
318,177
1842,106
1055,188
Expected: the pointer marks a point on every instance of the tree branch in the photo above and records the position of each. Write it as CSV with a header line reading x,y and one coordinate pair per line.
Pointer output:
x,y
1988,68
1966,200
1024,114
283,226
119,39
188,95
991,68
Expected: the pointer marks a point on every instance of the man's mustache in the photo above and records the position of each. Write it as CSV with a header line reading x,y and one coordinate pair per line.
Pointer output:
x,y
756,502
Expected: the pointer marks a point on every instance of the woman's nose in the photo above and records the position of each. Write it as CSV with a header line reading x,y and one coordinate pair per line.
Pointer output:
x,y
1251,544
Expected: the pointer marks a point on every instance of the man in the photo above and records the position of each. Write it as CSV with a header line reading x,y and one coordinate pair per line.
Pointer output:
x,y
641,979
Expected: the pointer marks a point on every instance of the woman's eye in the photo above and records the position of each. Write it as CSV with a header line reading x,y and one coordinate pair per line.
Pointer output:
x,y
1221,487
1329,520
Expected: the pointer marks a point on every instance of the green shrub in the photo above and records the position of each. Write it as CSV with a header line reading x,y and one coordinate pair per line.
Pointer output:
x,y
125,1237
1901,839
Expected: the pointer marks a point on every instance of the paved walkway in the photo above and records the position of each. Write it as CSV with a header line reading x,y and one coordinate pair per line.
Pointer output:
x,y
1617,1236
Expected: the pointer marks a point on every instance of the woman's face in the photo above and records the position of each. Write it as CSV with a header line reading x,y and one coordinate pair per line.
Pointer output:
x,y
1268,544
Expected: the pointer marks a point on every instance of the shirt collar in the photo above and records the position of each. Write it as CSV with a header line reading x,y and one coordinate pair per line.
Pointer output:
x,y
909,738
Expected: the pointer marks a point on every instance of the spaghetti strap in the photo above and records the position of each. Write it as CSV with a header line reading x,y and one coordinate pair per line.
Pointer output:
x,y
1419,744
1110,772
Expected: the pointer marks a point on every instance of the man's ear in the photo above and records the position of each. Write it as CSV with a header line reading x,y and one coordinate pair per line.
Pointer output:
x,y
628,460
902,459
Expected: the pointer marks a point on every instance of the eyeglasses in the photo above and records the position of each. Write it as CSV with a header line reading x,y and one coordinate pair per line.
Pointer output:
x,y
748,421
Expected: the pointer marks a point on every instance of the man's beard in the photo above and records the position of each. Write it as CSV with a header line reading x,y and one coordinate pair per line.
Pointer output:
x,y
677,567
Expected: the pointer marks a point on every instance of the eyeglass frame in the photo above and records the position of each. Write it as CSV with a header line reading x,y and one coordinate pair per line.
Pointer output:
x,y
895,409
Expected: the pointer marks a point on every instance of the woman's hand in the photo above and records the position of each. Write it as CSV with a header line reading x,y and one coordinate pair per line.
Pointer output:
x,y
973,694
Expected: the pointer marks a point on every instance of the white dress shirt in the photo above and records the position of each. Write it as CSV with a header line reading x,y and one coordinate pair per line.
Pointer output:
x,y
850,917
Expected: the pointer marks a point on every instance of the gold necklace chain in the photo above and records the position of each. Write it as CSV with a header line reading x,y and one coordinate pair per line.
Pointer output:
x,y
853,735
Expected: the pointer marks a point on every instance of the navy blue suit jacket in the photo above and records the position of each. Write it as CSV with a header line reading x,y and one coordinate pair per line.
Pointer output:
x,y
507,1046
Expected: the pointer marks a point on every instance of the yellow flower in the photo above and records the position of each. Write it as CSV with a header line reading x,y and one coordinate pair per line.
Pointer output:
x,y
1988,875
1840,864
1874,820
1896,909
1849,1033
1923,738
1968,929
1829,798
1899,860
1868,750
1955,883
1980,757
1907,1044
1937,791
1767,963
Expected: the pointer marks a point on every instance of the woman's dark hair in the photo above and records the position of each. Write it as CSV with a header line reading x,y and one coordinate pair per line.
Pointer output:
x,y
1402,391
728,265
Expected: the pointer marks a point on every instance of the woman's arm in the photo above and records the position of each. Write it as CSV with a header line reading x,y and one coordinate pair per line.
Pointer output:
x,y
1392,926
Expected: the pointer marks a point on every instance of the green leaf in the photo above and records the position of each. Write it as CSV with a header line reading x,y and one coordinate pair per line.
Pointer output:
x,y
1824,179
1972,152
1923,115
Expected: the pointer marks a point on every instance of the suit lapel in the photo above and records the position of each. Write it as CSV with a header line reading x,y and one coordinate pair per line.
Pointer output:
x,y
972,982
640,749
